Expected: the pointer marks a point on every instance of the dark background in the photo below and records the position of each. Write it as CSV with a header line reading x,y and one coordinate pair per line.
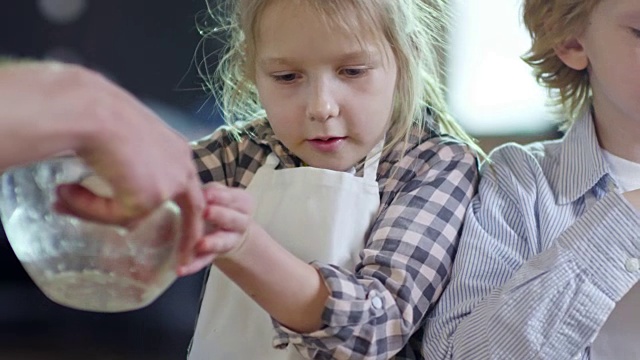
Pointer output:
x,y
146,47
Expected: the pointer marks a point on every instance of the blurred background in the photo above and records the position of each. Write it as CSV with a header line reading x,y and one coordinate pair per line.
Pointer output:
x,y
148,48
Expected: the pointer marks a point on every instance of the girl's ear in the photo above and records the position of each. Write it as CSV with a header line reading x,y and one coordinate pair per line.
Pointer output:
x,y
572,54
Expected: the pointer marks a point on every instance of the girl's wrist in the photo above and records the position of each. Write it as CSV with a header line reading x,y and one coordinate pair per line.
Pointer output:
x,y
236,254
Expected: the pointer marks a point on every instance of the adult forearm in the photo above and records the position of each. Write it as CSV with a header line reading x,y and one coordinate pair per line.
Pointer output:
x,y
29,129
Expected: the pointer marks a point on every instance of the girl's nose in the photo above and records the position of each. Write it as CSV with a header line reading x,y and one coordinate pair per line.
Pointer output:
x,y
322,105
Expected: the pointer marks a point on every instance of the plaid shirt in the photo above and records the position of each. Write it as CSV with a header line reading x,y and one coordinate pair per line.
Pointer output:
x,y
376,310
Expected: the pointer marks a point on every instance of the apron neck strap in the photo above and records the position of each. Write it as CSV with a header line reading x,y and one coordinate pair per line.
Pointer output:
x,y
371,162
272,160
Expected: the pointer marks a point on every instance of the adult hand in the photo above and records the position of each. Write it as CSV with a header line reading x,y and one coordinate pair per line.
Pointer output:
x,y
48,108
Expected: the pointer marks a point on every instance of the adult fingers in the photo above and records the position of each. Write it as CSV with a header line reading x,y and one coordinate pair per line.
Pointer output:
x,y
74,199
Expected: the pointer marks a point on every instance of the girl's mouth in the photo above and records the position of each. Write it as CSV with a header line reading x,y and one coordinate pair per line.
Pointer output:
x,y
329,144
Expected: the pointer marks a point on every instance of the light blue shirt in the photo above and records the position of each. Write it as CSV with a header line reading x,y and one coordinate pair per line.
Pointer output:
x,y
547,250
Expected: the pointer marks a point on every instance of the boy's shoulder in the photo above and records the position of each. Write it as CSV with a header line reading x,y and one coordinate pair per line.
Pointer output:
x,y
536,152
522,163
576,149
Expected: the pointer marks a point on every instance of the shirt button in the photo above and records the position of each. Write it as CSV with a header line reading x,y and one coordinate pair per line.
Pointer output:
x,y
376,302
632,265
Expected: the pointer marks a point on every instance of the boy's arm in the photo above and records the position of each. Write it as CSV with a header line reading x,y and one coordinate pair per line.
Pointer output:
x,y
511,297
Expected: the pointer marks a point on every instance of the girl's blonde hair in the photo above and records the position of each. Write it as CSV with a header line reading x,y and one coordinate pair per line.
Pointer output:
x,y
413,28
550,23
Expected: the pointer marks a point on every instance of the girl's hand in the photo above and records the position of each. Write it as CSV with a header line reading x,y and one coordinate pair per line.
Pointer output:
x,y
228,214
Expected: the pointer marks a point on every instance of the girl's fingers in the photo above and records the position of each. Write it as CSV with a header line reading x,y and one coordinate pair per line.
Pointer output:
x,y
226,219
218,243
211,246
234,198
197,264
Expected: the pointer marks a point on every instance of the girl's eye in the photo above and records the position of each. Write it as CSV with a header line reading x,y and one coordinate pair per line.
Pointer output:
x,y
353,72
635,32
285,78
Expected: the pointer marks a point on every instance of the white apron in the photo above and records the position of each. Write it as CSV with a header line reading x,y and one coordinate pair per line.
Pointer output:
x,y
316,214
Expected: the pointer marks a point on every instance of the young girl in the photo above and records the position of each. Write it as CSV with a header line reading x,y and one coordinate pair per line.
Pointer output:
x,y
337,198
549,259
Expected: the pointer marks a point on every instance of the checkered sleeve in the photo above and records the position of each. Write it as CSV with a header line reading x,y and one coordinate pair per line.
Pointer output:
x,y
373,312
227,158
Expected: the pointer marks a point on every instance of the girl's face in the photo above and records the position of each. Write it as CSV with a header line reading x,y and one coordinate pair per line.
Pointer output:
x,y
328,97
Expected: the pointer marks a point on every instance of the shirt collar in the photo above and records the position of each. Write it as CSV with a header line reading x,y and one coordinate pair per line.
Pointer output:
x,y
262,133
580,164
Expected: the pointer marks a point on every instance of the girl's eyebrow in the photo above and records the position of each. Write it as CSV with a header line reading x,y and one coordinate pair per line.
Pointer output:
x,y
357,55
274,61
630,16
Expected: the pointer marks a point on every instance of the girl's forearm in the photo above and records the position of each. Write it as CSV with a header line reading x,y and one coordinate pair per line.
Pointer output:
x,y
290,290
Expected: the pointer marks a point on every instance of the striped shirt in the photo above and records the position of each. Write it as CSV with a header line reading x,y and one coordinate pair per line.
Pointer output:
x,y
424,192
543,257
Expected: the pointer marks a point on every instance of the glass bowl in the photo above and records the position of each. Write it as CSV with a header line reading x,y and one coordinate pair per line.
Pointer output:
x,y
83,264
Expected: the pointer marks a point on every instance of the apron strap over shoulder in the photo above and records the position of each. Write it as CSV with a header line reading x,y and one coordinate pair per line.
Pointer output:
x,y
372,161
272,160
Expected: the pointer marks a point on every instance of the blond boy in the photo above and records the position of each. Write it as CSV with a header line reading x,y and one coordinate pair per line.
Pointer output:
x,y
549,257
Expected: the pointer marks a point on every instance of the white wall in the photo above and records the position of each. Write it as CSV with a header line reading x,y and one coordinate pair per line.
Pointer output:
x,y
491,90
